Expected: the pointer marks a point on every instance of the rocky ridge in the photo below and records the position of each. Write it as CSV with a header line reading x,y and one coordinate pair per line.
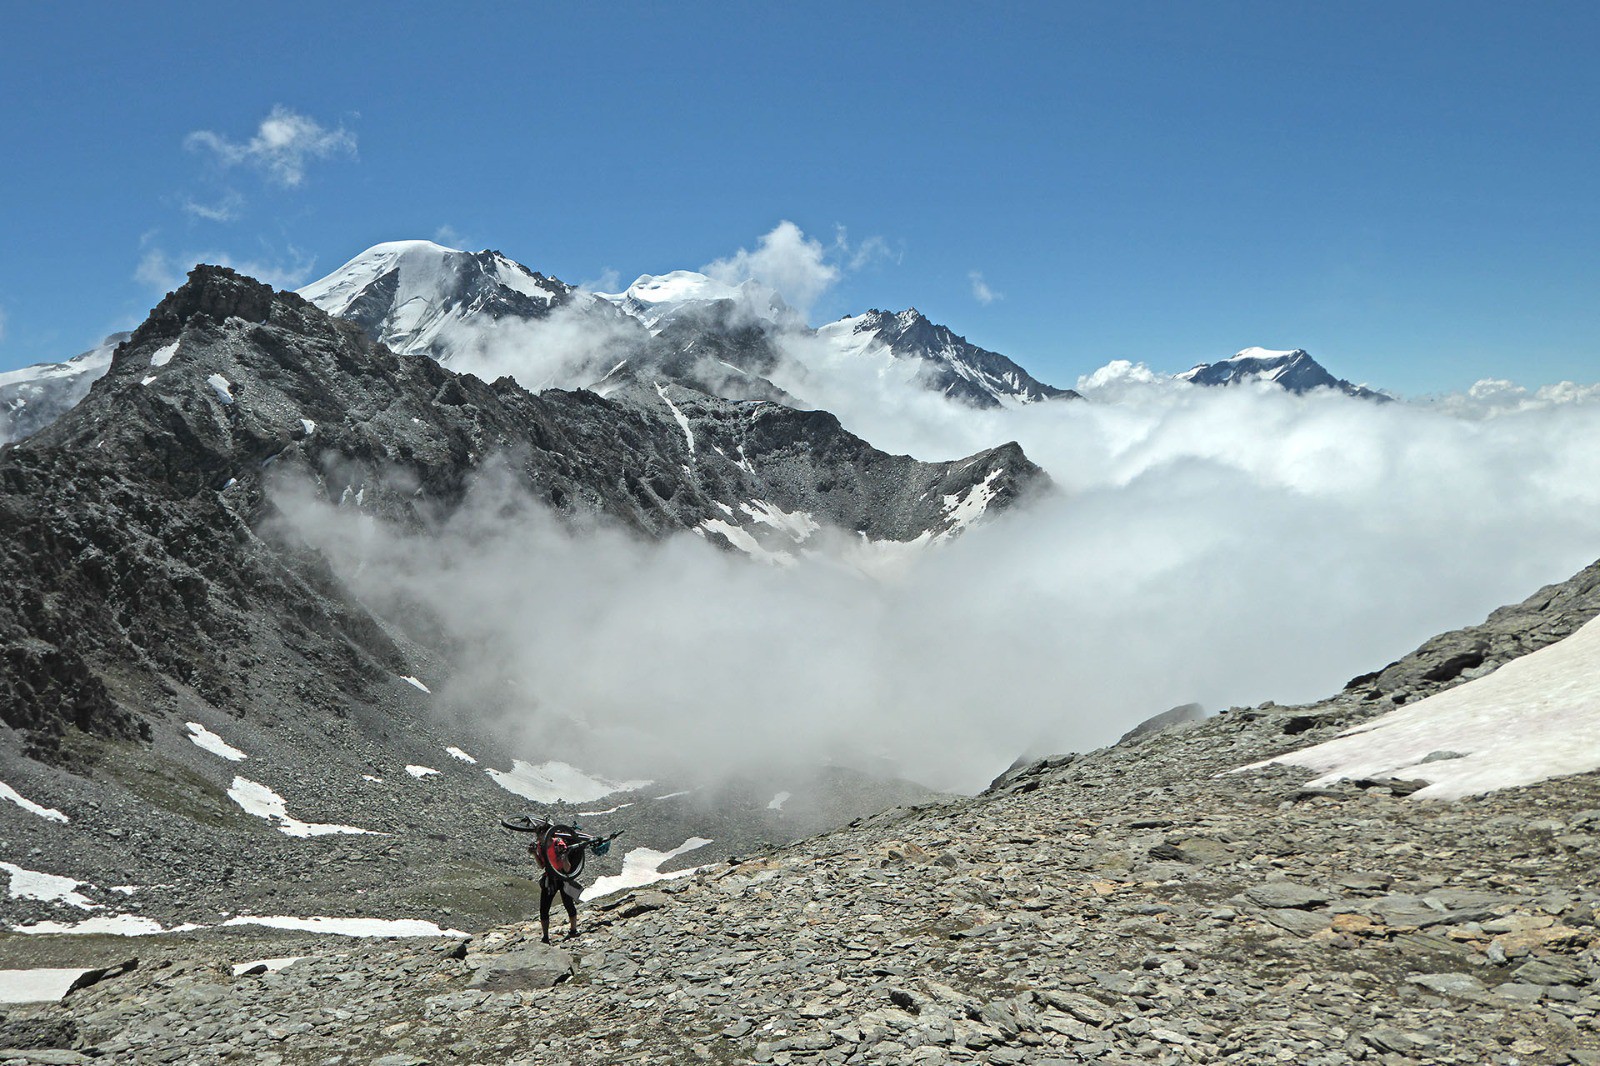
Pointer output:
x,y
1294,371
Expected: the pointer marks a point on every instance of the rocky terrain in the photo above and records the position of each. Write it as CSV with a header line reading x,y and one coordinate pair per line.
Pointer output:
x,y
1138,904
34,396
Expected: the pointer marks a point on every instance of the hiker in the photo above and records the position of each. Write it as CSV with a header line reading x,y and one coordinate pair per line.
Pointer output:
x,y
560,851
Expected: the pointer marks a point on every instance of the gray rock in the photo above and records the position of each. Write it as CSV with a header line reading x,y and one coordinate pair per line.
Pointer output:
x,y
532,967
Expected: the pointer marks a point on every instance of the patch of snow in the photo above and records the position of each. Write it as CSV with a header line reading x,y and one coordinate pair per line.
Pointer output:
x,y
205,738
419,772
743,540
1536,717
374,780
50,813
222,387
36,986
683,421
963,509
360,927
778,801
797,525
557,782
272,965
309,426
408,679
261,801
147,379
50,888
642,866
110,925
163,356
463,756
675,795
608,810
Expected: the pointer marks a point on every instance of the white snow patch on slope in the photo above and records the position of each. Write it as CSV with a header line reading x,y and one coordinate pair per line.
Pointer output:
x,y
642,866
349,926
222,387
205,738
963,509
12,795
261,801
408,679
419,772
608,810
459,754
777,802
309,426
683,422
557,782
797,525
163,356
50,888
1536,717
108,925
36,986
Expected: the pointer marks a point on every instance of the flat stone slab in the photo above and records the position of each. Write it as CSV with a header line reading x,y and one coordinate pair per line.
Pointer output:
x,y
1283,894
529,968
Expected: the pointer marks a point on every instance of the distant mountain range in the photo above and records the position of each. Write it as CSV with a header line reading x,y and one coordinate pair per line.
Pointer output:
x,y
682,328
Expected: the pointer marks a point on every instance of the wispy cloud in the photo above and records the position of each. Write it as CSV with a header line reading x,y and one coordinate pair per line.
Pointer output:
x,y
981,291
164,272
450,237
608,281
224,210
282,147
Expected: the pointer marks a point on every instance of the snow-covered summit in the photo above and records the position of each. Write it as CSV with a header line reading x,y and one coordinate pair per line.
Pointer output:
x,y
656,299
952,364
414,295
1293,370
34,396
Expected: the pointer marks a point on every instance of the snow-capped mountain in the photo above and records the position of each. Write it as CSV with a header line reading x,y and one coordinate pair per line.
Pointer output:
x,y
953,365
656,300
417,296
1293,370
34,396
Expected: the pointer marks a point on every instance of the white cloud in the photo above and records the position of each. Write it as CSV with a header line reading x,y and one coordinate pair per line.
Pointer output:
x,y
225,210
981,290
283,145
608,281
786,260
164,272
450,237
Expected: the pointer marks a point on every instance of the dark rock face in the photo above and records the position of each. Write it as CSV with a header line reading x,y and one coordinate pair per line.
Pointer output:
x,y
954,366
137,527
1294,371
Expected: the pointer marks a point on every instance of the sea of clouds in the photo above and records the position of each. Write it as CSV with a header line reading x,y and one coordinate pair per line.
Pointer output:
x,y
1220,545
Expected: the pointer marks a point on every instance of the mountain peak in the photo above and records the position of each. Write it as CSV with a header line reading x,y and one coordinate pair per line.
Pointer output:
x,y
655,299
1293,370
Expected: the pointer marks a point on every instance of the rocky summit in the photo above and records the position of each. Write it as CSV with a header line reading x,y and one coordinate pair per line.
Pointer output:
x,y
1152,902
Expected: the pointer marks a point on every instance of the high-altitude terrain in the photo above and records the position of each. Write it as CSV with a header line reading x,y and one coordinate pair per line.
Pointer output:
x,y
1153,902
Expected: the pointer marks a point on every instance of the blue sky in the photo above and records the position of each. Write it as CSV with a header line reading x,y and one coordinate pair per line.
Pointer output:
x,y
1407,190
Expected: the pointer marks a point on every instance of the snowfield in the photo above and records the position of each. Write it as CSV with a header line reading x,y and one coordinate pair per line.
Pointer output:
x,y
557,782
261,801
205,738
11,795
642,866
1536,717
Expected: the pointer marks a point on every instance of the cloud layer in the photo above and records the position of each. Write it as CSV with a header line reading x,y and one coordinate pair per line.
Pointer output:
x,y
1221,545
